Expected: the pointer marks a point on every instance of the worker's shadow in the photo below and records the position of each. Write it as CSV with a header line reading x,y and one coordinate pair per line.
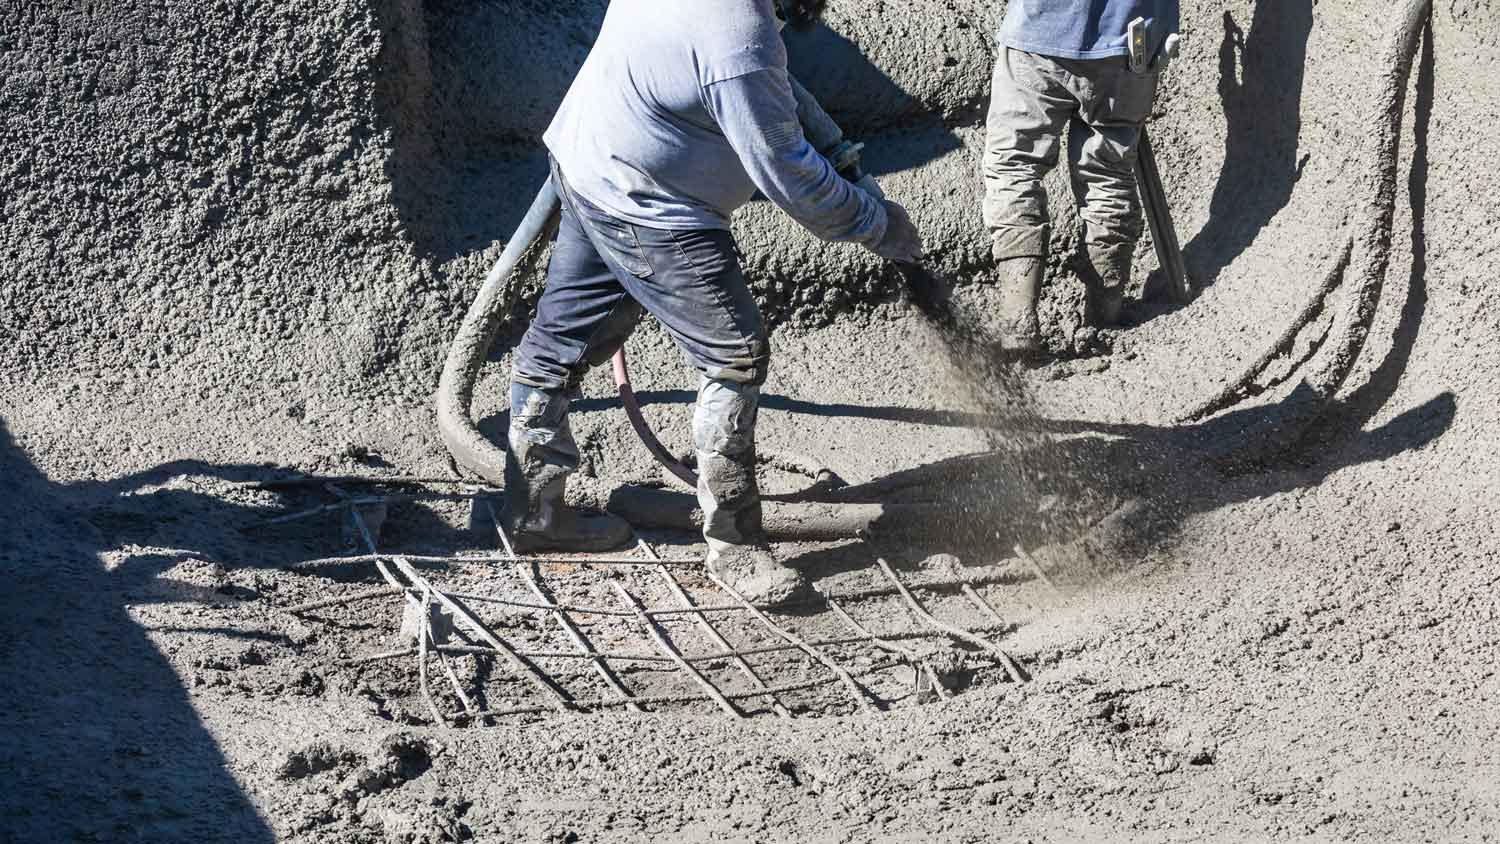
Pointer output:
x,y
101,742
95,712
1261,74
866,102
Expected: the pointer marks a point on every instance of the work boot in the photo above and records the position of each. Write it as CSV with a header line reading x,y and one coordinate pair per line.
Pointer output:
x,y
1020,281
729,493
542,455
1105,278
754,572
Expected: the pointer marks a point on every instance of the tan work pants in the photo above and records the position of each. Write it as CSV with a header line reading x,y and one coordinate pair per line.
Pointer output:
x,y
1033,97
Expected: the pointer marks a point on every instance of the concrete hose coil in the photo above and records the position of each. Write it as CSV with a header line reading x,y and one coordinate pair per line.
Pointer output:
x,y
471,347
1365,252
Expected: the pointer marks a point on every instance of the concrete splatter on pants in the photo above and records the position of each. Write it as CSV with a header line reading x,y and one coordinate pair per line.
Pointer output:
x,y
724,439
1103,105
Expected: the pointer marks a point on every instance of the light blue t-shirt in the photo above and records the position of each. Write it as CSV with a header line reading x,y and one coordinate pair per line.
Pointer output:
x,y
683,109
1084,29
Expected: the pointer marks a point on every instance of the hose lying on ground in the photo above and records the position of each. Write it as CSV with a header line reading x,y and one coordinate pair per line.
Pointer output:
x,y
471,348
1367,253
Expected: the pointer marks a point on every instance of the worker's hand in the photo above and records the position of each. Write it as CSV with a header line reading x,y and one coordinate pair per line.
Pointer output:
x,y
902,242
868,184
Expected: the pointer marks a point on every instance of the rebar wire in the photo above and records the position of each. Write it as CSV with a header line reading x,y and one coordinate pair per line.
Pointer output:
x,y
713,634
526,668
466,596
658,700
666,612
363,501
891,647
561,617
863,698
670,650
695,658
1011,668
490,559
1036,568
983,606
423,632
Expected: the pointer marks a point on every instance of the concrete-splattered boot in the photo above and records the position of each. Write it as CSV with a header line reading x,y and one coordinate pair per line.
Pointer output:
x,y
542,455
729,494
1105,279
1020,282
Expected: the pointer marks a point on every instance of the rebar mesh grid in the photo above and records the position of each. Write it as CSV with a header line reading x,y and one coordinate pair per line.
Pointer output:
x,y
611,665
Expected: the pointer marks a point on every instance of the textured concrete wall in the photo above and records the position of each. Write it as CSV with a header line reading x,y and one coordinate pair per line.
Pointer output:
x,y
304,194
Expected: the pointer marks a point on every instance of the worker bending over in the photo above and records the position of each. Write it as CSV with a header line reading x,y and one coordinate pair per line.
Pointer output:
x,y
682,110
1066,63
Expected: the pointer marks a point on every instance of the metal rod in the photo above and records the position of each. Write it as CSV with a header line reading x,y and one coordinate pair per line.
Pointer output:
x,y
713,635
523,666
1011,668
982,605
689,698
480,650
423,633
886,645
991,578
466,596
666,612
481,559
696,658
458,686
667,648
561,617
862,696
396,498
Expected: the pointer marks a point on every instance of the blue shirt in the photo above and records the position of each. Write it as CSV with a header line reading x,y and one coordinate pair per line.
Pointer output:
x,y
683,109
1084,29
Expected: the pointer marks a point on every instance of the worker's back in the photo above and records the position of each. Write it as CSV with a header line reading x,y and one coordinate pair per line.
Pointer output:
x,y
633,135
1071,29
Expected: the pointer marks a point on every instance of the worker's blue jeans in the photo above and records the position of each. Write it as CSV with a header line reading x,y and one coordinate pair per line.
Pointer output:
x,y
603,272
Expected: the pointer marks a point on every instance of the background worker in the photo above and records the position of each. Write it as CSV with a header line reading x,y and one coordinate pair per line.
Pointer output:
x,y
682,110
1061,64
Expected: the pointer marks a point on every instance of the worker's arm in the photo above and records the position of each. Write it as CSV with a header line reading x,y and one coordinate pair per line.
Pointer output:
x,y
758,115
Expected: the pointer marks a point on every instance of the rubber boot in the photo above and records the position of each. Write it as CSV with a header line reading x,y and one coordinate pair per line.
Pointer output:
x,y
729,494
542,455
1104,282
1020,283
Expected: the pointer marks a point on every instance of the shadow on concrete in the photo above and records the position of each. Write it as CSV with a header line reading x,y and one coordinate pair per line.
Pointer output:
x,y
849,85
1260,86
101,742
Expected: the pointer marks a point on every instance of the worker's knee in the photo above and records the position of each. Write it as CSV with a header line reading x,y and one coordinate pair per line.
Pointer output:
x,y
724,419
609,336
1112,222
1019,241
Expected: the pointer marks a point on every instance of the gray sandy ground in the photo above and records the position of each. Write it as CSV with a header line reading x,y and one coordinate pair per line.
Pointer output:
x,y
237,237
